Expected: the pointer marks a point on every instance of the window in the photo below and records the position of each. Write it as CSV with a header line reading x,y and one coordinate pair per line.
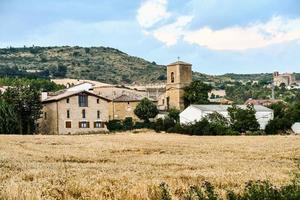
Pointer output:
x,y
84,124
98,114
98,124
68,114
98,101
68,100
68,124
45,115
172,77
83,100
83,114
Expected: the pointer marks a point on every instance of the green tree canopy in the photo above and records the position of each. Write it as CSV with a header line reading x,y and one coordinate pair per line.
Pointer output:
x,y
243,120
25,100
174,114
8,118
145,110
196,93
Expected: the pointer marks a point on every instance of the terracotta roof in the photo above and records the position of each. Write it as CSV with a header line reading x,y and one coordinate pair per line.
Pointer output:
x,y
66,94
179,63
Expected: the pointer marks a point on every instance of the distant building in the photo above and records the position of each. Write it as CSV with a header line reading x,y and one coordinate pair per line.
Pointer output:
x,y
216,93
195,113
262,102
287,79
222,101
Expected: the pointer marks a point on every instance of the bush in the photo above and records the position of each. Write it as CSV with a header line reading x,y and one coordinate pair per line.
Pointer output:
x,y
278,125
159,125
174,114
265,190
128,123
114,125
253,190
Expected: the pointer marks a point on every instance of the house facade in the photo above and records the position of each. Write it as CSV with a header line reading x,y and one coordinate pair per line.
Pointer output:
x,y
73,112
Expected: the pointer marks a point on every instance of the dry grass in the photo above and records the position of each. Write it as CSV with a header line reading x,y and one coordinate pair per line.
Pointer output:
x,y
128,166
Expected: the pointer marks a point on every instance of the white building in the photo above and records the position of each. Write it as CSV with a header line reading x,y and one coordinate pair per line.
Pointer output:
x,y
198,112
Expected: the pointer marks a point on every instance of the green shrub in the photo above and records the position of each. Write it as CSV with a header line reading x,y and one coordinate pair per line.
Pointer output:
x,y
159,125
174,114
164,192
128,123
114,125
278,125
255,190
243,120
204,192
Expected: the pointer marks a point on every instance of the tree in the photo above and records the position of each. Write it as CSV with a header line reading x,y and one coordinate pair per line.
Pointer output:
x,y
174,114
196,93
145,110
243,120
8,122
217,118
27,105
279,109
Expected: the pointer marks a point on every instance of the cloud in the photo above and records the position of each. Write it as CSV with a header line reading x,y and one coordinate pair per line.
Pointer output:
x,y
169,34
257,35
151,12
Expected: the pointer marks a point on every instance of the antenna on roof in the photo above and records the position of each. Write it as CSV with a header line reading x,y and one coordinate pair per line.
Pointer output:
x,y
178,58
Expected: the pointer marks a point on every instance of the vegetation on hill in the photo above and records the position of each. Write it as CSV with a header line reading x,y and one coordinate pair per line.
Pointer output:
x,y
96,63
102,64
240,93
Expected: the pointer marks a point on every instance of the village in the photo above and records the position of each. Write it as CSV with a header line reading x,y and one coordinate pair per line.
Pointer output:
x,y
87,106
149,100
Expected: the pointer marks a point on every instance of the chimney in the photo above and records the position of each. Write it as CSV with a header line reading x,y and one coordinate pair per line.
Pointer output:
x,y
44,96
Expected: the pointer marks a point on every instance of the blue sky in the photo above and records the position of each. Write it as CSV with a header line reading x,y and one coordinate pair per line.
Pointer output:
x,y
216,36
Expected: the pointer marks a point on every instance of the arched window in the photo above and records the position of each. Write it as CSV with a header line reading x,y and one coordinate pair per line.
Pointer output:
x,y
172,77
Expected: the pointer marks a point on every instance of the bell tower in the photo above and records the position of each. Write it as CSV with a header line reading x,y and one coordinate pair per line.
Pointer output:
x,y
179,75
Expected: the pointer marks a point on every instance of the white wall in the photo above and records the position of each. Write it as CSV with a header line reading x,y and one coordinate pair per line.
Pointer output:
x,y
192,114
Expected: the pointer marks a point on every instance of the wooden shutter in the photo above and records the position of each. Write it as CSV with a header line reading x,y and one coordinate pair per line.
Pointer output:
x,y
68,124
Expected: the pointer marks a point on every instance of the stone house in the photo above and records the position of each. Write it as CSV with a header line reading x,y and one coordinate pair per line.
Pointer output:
x,y
287,79
72,112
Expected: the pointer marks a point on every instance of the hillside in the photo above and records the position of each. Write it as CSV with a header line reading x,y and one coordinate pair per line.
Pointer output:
x,y
102,64
95,63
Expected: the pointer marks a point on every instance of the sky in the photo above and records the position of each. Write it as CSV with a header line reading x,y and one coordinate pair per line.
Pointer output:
x,y
215,36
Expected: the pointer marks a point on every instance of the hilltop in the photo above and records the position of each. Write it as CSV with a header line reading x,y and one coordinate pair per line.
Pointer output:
x,y
102,64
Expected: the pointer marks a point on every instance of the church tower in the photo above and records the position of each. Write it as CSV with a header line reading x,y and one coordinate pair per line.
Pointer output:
x,y
179,75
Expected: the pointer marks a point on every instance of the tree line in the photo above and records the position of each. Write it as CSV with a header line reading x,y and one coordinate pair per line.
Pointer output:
x,y
20,104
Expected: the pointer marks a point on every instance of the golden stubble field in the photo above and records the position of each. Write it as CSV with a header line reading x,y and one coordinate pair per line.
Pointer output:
x,y
130,166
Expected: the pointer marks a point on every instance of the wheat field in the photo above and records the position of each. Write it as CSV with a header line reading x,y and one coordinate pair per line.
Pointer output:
x,y
131,165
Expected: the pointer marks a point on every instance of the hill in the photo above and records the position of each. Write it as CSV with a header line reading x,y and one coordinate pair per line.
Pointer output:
x,y
96,63
102,64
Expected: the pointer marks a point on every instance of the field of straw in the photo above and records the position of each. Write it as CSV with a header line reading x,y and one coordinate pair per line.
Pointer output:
x,y
132,165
